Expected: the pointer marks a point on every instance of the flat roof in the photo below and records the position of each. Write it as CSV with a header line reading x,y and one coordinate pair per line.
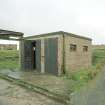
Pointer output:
x,y
5,34
55,33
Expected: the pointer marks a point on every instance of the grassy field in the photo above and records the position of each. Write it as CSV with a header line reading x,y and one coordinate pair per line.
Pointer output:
x,y
9,59
98,56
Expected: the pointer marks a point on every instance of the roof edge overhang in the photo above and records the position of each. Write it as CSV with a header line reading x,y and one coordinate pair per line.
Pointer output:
x,y
10,35
58,33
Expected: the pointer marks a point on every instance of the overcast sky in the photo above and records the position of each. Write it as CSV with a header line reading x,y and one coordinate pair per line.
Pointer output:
x,y
82,17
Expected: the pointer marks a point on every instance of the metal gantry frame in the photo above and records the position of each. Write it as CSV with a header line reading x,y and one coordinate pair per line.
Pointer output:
x,y
12,35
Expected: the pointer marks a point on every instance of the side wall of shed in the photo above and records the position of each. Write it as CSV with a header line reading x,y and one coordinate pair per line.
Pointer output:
x,y
77,59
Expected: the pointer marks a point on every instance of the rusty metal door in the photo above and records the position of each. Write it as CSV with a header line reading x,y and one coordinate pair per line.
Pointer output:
x,y
51,55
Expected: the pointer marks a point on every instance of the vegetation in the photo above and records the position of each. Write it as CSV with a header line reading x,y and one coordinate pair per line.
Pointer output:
x,y
82,77
9,59
98,56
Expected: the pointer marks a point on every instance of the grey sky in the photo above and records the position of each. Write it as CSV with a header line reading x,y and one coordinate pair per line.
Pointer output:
x,y
82,17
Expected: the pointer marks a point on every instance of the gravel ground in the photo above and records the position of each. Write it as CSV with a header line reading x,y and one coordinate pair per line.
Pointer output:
x,y
93,94
15,95
53,83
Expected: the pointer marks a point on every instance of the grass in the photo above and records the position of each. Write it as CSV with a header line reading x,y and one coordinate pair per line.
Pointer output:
x,y
9,59
98,56
83,76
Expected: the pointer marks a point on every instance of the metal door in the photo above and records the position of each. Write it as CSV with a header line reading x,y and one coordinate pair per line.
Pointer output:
x,y
27,50
38,55
51,55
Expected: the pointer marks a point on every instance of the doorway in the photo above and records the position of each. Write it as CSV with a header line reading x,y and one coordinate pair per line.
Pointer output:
x,y
31,55
34,55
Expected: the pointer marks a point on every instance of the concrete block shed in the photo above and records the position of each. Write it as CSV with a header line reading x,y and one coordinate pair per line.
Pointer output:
x,y
55,53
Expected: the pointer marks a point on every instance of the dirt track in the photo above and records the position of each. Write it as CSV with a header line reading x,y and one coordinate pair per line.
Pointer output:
x,y
15,95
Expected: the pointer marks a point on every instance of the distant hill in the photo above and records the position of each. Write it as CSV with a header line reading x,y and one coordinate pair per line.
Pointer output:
x,y
8,46
98,47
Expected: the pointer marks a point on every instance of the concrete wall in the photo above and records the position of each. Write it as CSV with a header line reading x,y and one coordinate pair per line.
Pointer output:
x,y
60,55
77,59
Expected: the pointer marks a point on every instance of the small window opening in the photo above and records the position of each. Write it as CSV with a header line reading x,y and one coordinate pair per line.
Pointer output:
x,y
85,48
73,47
